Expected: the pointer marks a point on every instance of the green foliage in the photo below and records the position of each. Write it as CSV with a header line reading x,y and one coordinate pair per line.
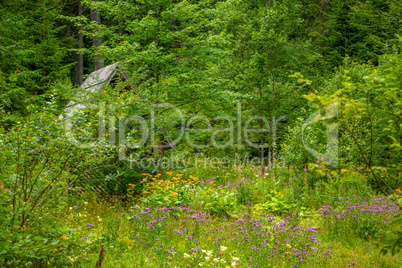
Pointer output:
x,y
327,192
376,106
39,164
362,30
293,148
221,203
277,205
32,53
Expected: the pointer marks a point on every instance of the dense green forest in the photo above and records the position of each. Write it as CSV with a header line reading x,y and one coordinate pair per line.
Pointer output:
x,y
139,133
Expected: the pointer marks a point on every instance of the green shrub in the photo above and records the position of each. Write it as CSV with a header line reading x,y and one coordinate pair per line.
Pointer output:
x,y
39,164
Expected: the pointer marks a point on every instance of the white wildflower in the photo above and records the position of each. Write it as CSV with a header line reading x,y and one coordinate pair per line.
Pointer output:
x,y
223,248
186,256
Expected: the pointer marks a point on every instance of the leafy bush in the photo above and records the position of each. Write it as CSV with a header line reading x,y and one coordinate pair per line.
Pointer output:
x,y
38,164
220,203
277,205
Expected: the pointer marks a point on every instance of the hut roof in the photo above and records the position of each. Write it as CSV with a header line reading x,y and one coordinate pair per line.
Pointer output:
x,y
99,78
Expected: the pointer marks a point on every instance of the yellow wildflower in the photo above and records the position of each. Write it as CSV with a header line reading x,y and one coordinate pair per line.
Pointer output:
x,y
64,237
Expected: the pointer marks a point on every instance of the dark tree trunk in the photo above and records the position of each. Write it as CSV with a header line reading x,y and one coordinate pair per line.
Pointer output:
x,y
121,32
97,40
79,58
324,6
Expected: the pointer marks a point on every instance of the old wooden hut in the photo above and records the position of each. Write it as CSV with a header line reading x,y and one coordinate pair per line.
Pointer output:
x,y
95,83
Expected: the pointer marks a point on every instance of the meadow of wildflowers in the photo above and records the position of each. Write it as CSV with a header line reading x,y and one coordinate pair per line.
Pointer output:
x,y
249,219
